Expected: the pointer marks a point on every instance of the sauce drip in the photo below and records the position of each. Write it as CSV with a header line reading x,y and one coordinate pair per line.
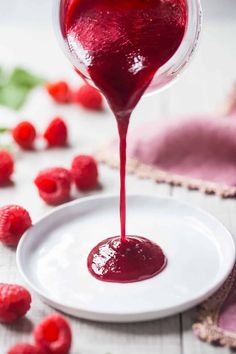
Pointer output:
x,y
120,45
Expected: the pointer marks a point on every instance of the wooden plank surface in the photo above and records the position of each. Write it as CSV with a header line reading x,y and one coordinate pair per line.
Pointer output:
x,y
201,89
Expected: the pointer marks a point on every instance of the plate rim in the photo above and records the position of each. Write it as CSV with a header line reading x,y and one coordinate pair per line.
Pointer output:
x,y
106,316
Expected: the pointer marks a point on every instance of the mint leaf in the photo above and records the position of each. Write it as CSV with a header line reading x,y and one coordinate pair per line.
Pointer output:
x,y
3,130
22,77
14,88
13,96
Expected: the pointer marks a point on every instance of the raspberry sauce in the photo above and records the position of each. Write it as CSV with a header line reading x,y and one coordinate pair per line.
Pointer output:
x,y
120,45
123,262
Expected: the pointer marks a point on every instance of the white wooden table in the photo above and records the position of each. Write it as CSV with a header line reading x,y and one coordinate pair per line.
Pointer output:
x,y
29,40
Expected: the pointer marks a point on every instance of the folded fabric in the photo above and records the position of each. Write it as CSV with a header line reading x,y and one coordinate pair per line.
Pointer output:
x,y
198,152
216,320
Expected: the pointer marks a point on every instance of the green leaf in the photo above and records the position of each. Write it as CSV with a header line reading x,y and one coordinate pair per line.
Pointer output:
x,y
22,77
14,88
4,130
13,96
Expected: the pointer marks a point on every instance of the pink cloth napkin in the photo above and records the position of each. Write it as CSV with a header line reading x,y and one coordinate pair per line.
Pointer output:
x,y
198,152
216,318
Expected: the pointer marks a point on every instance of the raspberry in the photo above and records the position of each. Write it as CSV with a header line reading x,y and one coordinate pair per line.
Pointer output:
x,y
54,185
6,166
24,135
53,335
25,348
88,97
56,133
14,302
59,91
14,221
84,171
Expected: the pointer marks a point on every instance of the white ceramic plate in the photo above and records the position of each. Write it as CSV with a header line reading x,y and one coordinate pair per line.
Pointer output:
x,y
52,258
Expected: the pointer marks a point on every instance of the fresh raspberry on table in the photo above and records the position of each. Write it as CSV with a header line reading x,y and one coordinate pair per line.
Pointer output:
x,y
54,185
88,97
56,133
25,348
53,335
6,166
84,171
14,302
14,221
59,91
24,135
